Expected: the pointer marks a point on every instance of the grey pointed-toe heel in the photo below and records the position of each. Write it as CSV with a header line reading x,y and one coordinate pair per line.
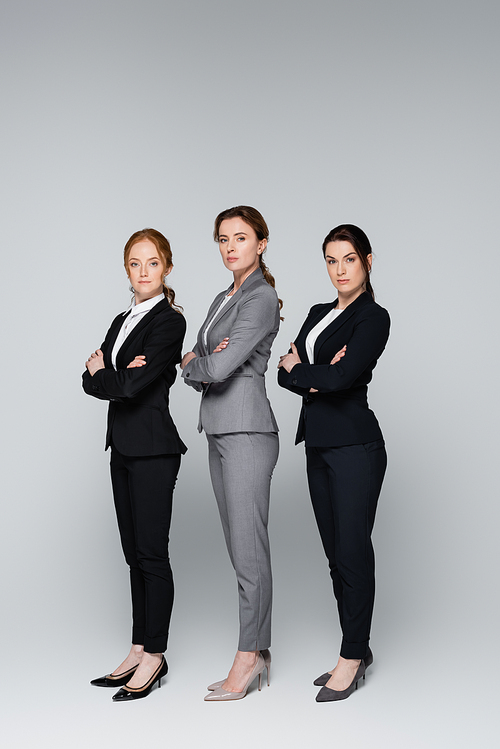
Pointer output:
x,y
326,694
322,680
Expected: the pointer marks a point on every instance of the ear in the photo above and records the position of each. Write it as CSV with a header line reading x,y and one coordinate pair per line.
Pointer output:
x,y
369,259
168,270
262,246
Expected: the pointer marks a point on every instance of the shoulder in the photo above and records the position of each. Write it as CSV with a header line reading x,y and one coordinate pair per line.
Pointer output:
x,y
260,289
374,311
173,316
319,308
260,299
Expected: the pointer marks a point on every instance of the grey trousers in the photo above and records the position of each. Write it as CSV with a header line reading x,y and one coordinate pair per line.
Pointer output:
x,y
241,465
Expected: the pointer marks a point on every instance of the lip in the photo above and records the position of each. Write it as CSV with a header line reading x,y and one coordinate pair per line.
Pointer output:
x,y
343,280
232,259
144,281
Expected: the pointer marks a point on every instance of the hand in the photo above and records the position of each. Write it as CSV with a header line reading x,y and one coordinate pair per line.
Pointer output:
x,y
187,358
139,361
290,360
95,362
338,356
222,345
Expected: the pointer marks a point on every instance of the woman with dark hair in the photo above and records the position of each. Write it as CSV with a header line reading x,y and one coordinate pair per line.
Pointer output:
x,y
330,365
134,370
227,365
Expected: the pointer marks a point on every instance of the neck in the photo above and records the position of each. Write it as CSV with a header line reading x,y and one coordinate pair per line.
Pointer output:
x,y
241,276
141,298
346,299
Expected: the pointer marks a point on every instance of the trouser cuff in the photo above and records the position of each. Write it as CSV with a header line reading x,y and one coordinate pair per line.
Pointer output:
x,y
354,650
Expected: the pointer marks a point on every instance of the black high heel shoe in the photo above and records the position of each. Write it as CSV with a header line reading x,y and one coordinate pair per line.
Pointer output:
x,y
114,681
136,693
322,680
326,694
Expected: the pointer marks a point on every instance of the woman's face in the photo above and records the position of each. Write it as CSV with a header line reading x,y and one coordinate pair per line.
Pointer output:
x,y
239,246
146,269
345,268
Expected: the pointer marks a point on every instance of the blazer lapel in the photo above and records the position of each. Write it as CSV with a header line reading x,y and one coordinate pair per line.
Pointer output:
x,y
135,332
339,321
252,279
211,312
301,338
113,334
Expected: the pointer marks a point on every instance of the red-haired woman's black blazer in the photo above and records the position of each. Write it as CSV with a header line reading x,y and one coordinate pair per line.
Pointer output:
x,y
338,413
139,422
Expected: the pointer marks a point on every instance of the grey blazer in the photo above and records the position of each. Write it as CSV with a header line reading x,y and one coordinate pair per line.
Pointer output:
x,y
232,381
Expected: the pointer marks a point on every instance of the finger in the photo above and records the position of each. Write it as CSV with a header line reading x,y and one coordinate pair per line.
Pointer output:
x,y
294,348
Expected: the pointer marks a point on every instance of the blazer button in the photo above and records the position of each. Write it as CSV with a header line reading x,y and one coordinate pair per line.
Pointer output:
x,y
95,387
294,381
187,374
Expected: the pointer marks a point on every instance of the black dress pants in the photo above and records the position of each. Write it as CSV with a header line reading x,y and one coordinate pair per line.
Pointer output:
x,y
143,490
345,483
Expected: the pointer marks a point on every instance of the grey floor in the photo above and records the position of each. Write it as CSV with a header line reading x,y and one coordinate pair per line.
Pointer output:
x,y
410,701
424,690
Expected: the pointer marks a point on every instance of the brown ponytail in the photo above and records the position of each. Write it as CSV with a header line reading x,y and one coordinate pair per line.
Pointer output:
x,y
253,218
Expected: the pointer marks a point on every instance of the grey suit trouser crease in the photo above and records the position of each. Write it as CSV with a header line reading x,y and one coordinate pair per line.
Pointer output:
x,y
241,466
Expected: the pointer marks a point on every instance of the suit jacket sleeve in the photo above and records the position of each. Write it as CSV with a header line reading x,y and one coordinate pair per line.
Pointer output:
x,y
198,386
256,319
363,349
161,345
283,376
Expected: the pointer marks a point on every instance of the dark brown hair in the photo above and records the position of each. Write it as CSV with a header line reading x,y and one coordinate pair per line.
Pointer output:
x,y
163,248
355,236
253,218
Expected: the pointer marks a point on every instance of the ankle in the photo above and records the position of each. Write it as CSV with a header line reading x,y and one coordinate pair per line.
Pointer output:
x,y
151,656
247,656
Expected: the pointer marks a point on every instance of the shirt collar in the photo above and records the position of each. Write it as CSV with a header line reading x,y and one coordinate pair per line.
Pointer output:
x,y
139,309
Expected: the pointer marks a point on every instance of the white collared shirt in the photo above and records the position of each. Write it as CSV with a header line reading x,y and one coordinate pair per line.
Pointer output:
x,y
314,334
135,314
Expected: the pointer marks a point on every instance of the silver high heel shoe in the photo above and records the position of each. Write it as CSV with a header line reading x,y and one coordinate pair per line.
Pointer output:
x,y
266,654
220,694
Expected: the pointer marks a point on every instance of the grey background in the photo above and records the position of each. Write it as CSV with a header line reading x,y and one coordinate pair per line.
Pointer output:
x,y
119,115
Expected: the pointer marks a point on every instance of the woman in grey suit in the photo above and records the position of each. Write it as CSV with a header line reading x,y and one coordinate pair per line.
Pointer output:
x,y
227,365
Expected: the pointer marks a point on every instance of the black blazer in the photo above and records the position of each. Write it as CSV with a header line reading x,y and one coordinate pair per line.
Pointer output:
x,y
139,422
338,414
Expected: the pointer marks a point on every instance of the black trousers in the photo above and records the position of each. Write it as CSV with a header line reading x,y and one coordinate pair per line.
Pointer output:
x,y
143,489
345,483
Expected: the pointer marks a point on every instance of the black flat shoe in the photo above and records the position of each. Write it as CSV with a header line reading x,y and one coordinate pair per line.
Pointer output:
x,y
114,681
322,680
326,694
136,693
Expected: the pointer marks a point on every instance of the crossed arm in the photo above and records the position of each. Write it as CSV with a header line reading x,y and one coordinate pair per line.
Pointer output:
x,y
288,361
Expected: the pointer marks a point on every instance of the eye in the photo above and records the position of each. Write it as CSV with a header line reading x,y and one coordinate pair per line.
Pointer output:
x,y
154,263
133,265
241,239
350,259
222,241
331,262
